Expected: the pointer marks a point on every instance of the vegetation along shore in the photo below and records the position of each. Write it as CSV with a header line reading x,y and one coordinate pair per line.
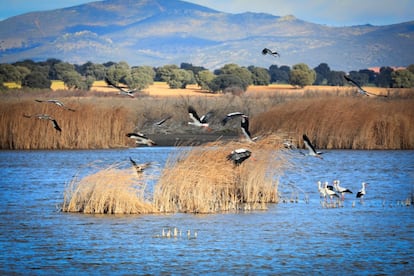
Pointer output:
x,y
332,117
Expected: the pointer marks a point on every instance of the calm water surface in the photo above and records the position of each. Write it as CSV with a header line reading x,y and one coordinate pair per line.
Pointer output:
x,y
375,236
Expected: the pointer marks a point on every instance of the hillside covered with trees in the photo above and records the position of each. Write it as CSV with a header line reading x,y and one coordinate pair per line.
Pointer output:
x,y
229,78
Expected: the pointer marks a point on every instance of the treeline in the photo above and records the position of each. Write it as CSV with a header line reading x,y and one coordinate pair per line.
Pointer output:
x,y
229,78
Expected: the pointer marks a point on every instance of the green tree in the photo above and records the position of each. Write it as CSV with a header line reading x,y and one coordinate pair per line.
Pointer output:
x,y
384,78
118,72
36,79
165,72
179,78
204,79
241,72
140,77
301,75
279,74
224,82
322,74
260,76
402,79
336,78
9,73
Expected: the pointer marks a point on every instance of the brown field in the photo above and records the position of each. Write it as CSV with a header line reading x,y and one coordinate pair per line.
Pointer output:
x,y
333,117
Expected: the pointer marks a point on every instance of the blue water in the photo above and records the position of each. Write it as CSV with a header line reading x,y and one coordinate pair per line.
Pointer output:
x,y
375,236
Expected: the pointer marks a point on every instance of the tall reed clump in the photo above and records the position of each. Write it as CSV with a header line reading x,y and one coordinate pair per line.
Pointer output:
x,y
202,180
92,125
110,190
343,123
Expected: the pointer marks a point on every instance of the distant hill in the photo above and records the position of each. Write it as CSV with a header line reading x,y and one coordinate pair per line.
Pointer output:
x,y
159,32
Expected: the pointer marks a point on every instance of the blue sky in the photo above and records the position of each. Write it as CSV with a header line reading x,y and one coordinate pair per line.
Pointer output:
x,y
329,12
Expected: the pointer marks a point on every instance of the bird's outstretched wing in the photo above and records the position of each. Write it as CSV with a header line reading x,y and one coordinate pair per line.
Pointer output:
x,y
267,51
309,146
238,156
231,116
361,90
123,91
193,114
206,117
163,120
56,125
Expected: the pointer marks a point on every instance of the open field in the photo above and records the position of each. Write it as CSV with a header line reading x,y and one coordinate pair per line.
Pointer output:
x,y
333,117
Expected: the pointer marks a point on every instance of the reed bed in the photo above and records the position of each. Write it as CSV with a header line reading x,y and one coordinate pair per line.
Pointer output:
x,y
112,190
90,126
343,123
202,180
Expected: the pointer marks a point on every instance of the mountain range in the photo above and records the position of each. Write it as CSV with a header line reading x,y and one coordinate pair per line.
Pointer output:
x,y
160,32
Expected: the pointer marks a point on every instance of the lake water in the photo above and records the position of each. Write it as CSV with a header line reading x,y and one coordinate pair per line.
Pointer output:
x,y
375,236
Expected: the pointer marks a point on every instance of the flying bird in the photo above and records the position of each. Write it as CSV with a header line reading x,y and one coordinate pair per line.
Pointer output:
x,y
239,155
139,167
245,128
310,147
56,102
361,192
122,91
230,116
361,90
197,121
141,138
45,117
267,51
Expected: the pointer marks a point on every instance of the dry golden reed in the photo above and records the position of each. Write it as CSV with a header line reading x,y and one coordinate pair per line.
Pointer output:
x,y
108,191
343,122
204,181
200,180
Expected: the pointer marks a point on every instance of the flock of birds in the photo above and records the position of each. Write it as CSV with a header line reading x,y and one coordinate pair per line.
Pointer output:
x,y
237,156
47,117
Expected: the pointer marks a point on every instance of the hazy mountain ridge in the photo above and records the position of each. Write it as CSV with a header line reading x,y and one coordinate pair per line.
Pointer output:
x,y
150,32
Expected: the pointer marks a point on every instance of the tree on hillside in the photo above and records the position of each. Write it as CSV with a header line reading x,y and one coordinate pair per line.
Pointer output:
x,y
179,78
279,74
204,79
301,75
402,79
260,76
140,77
322,74
242,73
36,79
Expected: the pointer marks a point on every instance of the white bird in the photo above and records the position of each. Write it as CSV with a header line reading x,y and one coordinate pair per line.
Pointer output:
x,y
329,192
122,91
362,191
141,138
321,190
361,90
56,102
311,148
239,155
46,117
267,51
140,167
231,116
341,190
197,121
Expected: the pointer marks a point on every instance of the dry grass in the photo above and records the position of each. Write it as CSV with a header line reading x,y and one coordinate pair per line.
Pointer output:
x,y
204,181
109,191
344,123
90,126
200,180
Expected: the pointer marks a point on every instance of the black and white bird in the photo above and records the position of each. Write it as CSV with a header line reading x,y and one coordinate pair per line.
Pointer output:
x,y
310,147
46,117
330,192
321,190
231,116
267,51
289,144
140,167
245,128
361,193
361,90
141,138
341,190
239,155
196,120
56,102
122,91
